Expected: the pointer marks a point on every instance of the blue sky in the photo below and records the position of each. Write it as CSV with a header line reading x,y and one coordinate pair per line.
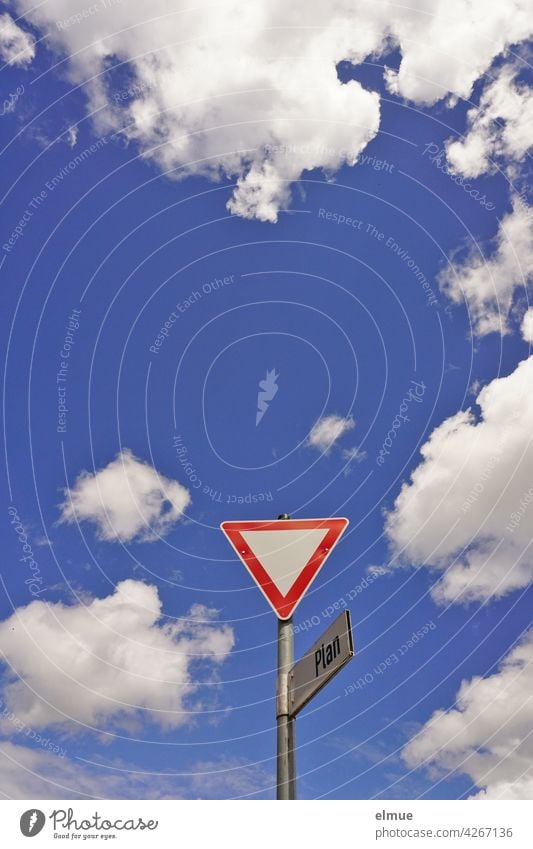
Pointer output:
x,y
337,309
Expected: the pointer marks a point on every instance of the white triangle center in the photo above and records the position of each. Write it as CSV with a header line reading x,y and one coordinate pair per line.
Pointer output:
x,y
284,554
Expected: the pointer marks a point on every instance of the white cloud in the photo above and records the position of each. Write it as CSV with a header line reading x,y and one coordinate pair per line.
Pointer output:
x,y
126,500
448,44
488,285
27,773
226,91
498,130
527,325
487,735
327,430
230,778
521,788
246,92
466,512
354,454
71,136
109,661
17,47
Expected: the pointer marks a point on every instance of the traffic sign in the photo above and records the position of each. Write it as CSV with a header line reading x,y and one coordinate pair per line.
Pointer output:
x,y
284,557
323,660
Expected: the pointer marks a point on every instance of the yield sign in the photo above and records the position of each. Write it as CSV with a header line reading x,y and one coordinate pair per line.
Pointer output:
x,y
284,557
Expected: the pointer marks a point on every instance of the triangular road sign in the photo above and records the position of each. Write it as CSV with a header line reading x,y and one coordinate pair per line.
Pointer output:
x,y
284,556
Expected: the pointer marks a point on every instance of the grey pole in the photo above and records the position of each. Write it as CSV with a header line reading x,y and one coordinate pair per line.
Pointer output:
x,y
286,731
286,766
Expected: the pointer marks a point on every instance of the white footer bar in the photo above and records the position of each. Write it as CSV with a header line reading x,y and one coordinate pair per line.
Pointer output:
x,y
258,824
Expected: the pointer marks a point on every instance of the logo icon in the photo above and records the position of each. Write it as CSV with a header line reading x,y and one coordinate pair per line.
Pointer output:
x,y
267,389
32,822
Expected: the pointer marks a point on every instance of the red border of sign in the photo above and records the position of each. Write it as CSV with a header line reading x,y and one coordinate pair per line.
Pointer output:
x,y
284,606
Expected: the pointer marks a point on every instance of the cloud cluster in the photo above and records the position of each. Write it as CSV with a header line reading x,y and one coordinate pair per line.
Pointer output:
x,y
32,774
327,430
499,130
465,510
17,47
251,93
447,46
497,136
488,285
108,662
465,513
126,500
487,735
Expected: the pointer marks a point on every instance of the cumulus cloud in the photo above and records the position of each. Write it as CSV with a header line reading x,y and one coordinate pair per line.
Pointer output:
x,y
487,734
498,136
17,47
110,661
327,430
466,511
527,325
126,500
499,130
243,93
489,285
447,46
27,773
248,93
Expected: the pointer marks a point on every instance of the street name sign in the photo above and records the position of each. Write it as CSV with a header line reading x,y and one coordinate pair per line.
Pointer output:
x,y
284,557
323,660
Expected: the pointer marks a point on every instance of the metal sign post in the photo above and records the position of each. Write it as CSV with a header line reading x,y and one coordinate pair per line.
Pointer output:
x,y
286,760
286,766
